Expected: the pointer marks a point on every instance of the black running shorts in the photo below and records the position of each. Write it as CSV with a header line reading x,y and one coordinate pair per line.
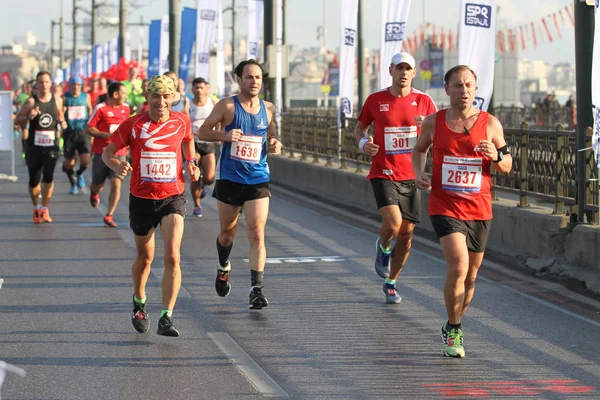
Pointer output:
x,y
145,214
236,194
403,194
76,141
101,172
476,232
204,148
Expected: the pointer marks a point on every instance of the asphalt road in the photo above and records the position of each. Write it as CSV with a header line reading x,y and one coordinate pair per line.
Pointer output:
x,y
65,307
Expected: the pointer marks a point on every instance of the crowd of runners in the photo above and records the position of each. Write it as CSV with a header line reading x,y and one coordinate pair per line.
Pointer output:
x,y
156,133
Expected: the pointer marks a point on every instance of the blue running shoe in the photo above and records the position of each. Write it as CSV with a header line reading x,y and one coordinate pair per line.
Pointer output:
x,y
391,294
74,189
203,193
80,182
382,261
197,211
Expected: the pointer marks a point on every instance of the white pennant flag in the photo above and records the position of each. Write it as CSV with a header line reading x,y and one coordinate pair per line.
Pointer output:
x,y
205,28
278,64
476,45
163,57
596,87
140,46
347,57
255,21
394,14
220,53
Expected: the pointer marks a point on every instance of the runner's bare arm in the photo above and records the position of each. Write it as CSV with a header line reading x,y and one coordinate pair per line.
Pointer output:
x,y
110,159
60,112
94,132
189,152
221,114
360,131
419,153
497,137
89,104
24,113
272,139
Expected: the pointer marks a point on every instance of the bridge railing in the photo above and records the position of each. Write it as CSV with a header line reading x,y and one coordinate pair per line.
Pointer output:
x,y
544,161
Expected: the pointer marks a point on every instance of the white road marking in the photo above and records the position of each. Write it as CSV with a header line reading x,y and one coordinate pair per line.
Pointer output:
x,y
247,366
1,282
301,260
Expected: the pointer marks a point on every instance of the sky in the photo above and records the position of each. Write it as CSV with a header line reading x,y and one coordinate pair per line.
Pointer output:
x,y
304,17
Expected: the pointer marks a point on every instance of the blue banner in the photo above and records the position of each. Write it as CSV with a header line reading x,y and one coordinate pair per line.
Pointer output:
x,y
65,74
154,47
96,59
75,67
436,56
188,36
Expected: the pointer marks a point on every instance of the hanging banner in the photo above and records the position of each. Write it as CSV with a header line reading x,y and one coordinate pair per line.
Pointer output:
x,y
596,86
436,56
140,46
97,59
347,67
476,44
205,28
90,65
6,124
127,52
106,55
186,45
163,55
6,81
65,74
59,76
278,64
220,53
255,22
154,48
394,14
114,51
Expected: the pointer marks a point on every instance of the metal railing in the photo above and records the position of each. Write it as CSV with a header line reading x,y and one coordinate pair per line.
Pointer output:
x,y
544,161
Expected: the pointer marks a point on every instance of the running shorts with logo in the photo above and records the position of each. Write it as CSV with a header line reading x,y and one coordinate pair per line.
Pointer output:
x,y
403,194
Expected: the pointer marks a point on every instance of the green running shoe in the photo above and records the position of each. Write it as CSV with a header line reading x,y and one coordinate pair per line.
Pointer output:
x,y
452,342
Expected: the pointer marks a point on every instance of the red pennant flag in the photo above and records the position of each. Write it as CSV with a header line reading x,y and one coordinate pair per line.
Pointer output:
x,y
546,28
522,38
511,38
450,40
556,25
535,42
442,38
422,34
433,36
570,15
6,81
500,42
562,17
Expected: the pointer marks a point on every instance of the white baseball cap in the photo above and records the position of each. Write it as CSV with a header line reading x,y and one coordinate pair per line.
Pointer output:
x,y
403,57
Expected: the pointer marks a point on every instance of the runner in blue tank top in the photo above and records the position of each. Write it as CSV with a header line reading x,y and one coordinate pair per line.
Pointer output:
x,y
77,109
243,174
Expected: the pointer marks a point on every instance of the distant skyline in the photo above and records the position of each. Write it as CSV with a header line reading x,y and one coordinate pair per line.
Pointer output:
x,y
304,17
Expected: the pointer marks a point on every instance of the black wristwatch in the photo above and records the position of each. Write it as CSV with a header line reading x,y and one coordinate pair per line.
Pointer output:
x,y
500,156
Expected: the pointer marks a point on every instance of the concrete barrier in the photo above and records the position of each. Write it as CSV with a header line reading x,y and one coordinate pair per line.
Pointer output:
x,y
534,235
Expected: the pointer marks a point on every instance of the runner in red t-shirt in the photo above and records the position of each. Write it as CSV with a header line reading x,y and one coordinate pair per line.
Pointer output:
x,y
397,112
466,142
105,119
156,140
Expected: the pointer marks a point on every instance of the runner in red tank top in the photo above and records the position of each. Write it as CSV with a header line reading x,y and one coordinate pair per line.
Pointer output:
x,y
397,113
466,142
156,140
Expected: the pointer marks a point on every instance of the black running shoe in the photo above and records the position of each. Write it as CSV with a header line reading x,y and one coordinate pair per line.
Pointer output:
x,y
139,317
166,327
257,298
222,285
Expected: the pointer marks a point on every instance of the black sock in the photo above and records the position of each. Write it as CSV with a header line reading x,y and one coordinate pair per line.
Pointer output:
x,y
223,252
256,277
449,326
81,170
70,174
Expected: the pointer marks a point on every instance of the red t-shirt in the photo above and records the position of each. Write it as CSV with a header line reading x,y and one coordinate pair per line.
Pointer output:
x,y
155,154
395,131
94,95
107,119
460,180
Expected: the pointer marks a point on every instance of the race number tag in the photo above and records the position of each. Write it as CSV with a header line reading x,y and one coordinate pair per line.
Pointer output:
x,y
248,148
462,174
400,140
44,138
158,166
76,112
112,128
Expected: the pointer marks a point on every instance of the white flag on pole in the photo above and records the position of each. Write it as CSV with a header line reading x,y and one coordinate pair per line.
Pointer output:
x,y
140,46
255,21
106,55
278,64
394,14
205,28
349,10
114,51
163,55
477,44
220,53
596,87
127,52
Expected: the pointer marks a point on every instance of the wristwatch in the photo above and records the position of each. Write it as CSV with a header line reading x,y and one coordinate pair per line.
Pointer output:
x,y
500,156
192,161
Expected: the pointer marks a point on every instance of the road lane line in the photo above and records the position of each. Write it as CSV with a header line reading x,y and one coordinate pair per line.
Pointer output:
x,y
247,366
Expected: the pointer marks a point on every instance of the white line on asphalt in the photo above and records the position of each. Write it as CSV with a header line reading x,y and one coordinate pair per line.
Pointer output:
x,y
129,239
433,244
253,372
1,282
